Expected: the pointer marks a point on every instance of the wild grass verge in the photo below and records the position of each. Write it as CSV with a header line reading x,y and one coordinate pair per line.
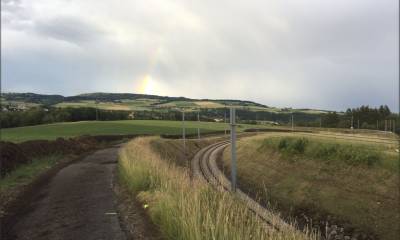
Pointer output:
x,y
307,178
185,208
25,173
329,152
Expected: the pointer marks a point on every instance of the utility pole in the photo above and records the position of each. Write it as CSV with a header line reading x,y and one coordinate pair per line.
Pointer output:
x,y
97,110
394,126
233,148
198,126
352,121
390,125
292,122
358,123
225,120
184,135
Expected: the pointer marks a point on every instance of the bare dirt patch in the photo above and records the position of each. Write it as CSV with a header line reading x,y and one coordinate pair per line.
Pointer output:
x,y
73,202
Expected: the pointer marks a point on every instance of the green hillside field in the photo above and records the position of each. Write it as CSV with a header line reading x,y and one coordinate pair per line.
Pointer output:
x,y
72,129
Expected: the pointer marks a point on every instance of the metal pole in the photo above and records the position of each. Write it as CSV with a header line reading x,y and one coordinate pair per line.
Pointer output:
x,y
233,149
225,120
385,125
394,126
97,111
184,134
352,121
292,122
198,128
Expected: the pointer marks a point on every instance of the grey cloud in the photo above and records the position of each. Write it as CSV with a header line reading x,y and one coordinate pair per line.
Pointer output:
x,y
69,29
309,53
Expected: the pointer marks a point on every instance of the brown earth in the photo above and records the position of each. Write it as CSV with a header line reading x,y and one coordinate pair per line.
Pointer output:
x,y
76,202
12,155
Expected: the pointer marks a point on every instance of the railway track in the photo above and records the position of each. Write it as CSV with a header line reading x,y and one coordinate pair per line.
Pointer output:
x,y
204,166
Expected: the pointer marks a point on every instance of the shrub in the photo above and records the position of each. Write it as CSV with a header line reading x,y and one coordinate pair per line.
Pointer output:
x,y
292,145
299,145
283,144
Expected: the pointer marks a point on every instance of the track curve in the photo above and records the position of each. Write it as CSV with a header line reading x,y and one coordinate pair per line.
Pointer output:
x,y
204,166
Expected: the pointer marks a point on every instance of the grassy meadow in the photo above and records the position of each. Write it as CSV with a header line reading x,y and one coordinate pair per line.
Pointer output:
x,y
352,183
73,129
185,208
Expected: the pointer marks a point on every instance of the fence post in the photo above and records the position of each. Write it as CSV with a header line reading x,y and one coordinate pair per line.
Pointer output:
x,y
233,148
198,122
184,136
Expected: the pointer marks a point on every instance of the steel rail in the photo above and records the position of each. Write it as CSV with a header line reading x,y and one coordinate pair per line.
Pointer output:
x,y
204,166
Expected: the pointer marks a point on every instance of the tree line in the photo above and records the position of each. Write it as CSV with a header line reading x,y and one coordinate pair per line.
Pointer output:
x,y
45,115
363,117
40,115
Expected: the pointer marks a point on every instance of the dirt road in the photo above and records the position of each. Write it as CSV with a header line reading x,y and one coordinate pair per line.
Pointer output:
x,y
77,203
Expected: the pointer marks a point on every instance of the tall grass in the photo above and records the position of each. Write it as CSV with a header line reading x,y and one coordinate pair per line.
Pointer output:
x,y
330,152
184,208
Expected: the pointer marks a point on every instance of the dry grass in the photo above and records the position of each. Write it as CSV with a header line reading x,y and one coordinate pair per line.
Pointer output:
x,y
171,150
185,209
209,104
363,197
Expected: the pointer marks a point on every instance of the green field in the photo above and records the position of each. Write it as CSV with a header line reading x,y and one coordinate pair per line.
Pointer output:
x,y
72,129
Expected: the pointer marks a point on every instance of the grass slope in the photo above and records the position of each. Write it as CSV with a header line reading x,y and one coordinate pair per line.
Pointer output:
x,y
354,183
185,208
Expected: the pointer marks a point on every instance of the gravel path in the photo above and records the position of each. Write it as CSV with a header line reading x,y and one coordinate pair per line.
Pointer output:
x,y
77,203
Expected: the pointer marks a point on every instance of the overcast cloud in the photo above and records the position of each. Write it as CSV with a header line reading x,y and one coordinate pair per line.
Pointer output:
x,y
329,54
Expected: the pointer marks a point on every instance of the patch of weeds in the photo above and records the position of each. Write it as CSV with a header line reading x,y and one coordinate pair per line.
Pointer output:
x,y
330,152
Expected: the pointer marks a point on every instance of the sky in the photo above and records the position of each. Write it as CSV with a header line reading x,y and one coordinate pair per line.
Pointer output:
x,y
330,54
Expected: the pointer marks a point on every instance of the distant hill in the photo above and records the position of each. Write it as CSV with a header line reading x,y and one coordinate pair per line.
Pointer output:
x,y
33,98
132,102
